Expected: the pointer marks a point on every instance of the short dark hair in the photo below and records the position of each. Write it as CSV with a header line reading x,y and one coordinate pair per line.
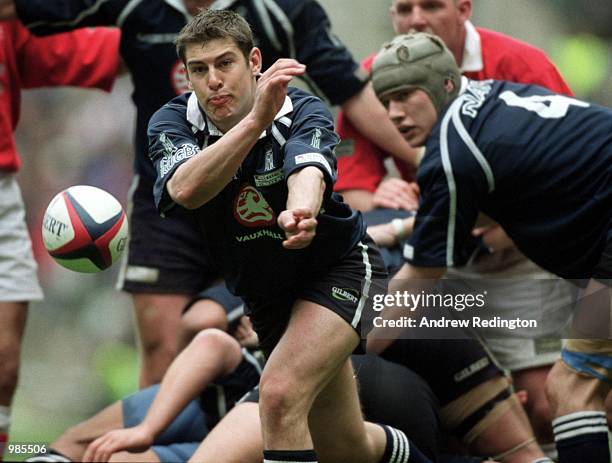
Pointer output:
x,y
210,25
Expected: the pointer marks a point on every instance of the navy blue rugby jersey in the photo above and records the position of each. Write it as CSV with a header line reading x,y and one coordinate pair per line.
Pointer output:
x,y
239,224
221,395
538,163
282,28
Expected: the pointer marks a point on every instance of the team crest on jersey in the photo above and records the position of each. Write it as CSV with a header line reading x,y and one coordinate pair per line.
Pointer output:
x,y
178,78
251,209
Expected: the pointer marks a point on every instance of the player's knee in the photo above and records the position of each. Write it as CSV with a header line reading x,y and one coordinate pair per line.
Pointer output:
x,y
279,398
212,339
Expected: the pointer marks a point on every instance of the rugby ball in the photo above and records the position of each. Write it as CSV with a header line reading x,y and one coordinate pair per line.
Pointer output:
x,y
85,229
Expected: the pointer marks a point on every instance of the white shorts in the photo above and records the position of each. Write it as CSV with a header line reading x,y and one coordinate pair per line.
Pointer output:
x,y
18,279
528,293
516,354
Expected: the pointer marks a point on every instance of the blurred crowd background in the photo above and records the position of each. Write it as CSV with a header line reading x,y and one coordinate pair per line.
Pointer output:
x,y
79,351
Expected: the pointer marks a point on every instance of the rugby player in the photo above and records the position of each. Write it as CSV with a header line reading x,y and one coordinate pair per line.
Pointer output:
x,y
166,262
87,58
481,54
536,162
256,167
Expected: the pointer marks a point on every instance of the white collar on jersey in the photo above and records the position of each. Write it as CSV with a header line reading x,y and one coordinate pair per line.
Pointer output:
x,y
216,5
472,50
464,83
200,120
221,4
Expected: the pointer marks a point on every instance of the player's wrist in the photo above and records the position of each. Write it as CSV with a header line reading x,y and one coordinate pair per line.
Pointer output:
x,y
399,228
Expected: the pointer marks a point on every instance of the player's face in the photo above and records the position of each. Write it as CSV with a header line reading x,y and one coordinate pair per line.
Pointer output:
x,y
412,113
444,18
223,80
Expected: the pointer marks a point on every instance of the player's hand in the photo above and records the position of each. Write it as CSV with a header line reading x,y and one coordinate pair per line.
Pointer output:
x,y
395,193
272,89
7,9
300,227
386,235
494,237
136,439
383,235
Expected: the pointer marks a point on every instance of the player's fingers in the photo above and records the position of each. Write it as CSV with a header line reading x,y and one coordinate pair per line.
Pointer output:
x,y
382,200
307,224
287,71
286,221
299,240
302,213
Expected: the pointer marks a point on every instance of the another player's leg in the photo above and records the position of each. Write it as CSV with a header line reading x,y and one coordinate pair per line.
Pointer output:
x,y
578,384
221,444
12,324
164,267
158,320
18,286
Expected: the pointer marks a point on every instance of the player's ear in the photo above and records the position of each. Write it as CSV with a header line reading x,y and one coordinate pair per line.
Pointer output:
x,y
464,7
255,60
449,85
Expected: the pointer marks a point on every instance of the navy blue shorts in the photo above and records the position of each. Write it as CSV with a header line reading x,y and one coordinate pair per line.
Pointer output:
x,y
181,438
165,254
345,288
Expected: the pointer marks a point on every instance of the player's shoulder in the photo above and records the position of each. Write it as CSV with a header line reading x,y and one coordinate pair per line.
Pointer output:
x,y
173,112
304,102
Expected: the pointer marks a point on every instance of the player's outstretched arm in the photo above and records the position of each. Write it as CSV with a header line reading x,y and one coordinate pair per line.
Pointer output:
x,y
212,354
202,177
306,188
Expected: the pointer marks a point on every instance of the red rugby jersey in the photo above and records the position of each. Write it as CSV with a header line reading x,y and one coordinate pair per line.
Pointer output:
x,y
83,58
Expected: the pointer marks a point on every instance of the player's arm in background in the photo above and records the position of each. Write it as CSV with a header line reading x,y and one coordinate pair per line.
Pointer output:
x,y
333,71
212,354
44,17
82,58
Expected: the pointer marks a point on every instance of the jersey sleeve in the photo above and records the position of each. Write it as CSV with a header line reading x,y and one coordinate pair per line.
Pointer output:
x,y
329,63
82,58
171,143
451,196
45,17
311,141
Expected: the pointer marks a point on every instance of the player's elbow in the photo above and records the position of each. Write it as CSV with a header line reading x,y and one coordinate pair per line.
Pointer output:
x,y
183,194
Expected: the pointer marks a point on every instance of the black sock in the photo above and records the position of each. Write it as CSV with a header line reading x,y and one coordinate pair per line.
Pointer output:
x,y
582,437
293,456
51,455
400,450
